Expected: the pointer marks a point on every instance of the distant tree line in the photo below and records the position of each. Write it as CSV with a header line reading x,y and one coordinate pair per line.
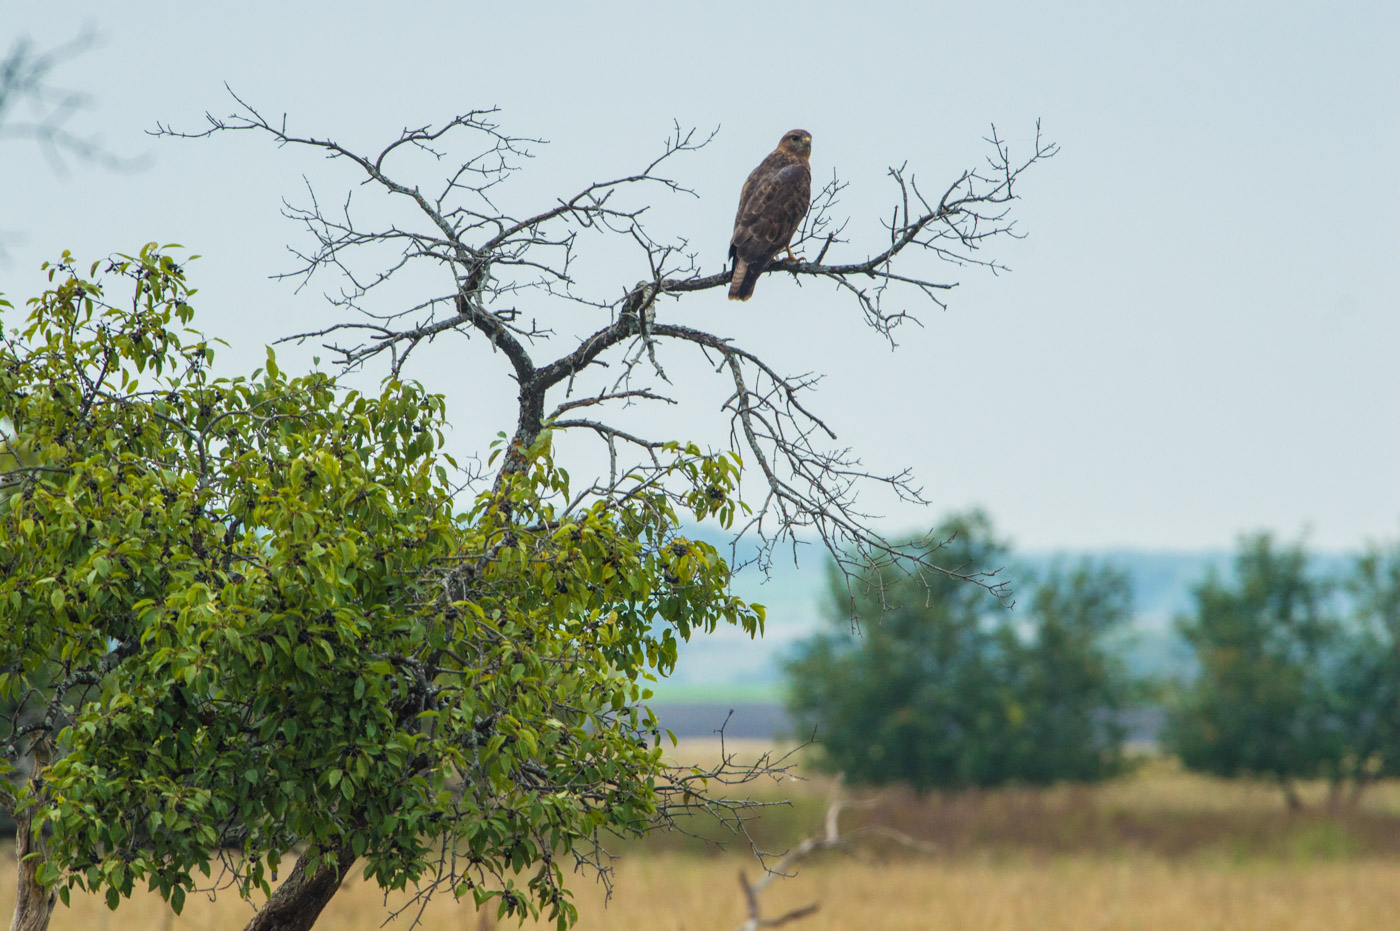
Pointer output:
x,y
1298,672
933,682
936,684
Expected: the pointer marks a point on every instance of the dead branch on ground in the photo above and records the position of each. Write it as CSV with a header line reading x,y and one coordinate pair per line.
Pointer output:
x,y
830,838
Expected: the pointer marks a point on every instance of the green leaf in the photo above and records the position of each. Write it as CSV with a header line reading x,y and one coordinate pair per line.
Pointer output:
x,y
252,541
47,873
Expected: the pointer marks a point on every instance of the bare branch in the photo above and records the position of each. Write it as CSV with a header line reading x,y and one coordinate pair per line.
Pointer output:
x,y
33,108
830,837
508,272
26,86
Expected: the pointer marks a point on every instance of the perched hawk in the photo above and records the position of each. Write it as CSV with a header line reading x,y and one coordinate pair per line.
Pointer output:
x,y
771,208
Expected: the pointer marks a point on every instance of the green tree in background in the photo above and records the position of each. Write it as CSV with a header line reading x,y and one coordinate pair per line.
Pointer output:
x,y
941,687
1366,677
1262,704
242,613
1074,684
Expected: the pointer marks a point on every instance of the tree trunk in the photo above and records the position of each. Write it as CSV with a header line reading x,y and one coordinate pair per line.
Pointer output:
x,y
298,902
1290,793
1358,786
1334,794
33,903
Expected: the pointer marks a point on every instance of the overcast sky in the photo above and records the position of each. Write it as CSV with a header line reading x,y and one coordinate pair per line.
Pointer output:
x,y
1200,334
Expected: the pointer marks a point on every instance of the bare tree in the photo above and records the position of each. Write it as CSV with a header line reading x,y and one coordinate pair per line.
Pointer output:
x,y
34,108
506,277
446,256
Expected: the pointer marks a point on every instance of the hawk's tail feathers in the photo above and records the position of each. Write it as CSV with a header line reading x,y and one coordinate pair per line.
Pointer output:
x,y
745,277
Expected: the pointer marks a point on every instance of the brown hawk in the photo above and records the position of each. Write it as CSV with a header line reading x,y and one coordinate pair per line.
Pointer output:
x,y
771,207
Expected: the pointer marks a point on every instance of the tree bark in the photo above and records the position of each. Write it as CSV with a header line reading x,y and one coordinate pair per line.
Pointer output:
x,y
298,902
33,903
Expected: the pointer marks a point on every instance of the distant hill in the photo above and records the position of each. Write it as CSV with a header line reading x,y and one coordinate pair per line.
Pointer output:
x,y
728,666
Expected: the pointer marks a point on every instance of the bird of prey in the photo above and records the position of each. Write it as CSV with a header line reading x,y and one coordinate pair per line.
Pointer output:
x,y
771,207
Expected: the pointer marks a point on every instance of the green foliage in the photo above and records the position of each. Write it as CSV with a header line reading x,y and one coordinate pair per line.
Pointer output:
x,y
1366,681
1294,682
941,689
1265,641
248,615
1073,682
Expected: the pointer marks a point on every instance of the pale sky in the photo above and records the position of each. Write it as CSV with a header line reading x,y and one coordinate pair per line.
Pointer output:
x,y
1199,335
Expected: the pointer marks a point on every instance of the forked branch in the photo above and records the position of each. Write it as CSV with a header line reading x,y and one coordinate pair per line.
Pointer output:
x,y
831,837
509,279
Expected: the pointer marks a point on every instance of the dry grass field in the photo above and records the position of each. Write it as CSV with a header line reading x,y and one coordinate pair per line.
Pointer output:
x,y
680,892
1160,849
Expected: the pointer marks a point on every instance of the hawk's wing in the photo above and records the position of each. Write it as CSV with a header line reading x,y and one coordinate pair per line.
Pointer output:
x,y
771,207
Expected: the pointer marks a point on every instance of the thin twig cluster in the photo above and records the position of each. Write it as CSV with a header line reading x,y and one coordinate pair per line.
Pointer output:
x,y
510,278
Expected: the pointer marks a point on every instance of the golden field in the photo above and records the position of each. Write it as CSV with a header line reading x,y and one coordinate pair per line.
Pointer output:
x,y
1160,849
